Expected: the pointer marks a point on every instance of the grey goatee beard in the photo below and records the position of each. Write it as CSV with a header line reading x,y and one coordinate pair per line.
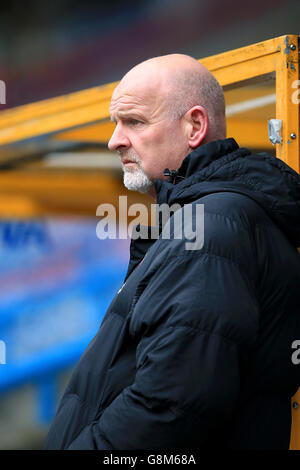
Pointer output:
x,y
135,179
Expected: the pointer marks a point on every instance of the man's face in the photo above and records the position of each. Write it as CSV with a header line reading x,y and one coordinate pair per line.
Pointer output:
x,y
146,138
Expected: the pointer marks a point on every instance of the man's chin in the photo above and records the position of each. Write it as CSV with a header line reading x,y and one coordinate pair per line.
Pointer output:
x,y
141,189
136,181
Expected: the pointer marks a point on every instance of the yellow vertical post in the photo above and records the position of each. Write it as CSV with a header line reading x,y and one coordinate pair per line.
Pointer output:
x,y
295,429
287,100
287,109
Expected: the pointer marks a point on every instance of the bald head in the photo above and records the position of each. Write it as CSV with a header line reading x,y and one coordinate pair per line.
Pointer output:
x,y
163,109
181,82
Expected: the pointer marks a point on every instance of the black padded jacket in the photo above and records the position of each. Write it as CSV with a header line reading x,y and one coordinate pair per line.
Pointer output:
x,y
195,350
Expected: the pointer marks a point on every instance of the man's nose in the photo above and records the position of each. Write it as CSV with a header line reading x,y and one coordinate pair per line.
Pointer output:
x,y
118,139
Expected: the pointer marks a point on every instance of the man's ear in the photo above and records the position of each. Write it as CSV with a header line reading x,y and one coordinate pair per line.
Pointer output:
x,y
197,118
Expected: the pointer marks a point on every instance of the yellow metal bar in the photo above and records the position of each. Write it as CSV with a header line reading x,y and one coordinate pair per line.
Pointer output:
x,y
56,105
244,63
56,114
100,132
287,101
249,133
241,55
54,123
295,430
237,73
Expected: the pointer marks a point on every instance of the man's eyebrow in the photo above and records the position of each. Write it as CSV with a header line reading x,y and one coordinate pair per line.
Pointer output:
x,y
125,115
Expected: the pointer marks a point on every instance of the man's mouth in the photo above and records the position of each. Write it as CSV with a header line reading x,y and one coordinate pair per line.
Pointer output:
x,y
126,161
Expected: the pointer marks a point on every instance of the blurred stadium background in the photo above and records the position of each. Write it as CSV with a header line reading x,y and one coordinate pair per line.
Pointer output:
x,y
56,276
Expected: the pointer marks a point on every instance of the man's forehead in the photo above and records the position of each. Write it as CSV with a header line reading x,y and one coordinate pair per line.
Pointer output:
x,y
123,101
140,95
142,88
135,92
146,79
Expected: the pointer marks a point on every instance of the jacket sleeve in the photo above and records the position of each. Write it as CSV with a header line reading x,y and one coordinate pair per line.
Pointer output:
x,y
198,315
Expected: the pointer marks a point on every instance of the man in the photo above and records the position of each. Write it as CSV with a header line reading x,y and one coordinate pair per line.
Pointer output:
x,y
195,349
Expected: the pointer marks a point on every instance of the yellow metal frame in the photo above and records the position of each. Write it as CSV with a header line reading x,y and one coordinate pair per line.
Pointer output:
x,y
280,57
277,57
84,116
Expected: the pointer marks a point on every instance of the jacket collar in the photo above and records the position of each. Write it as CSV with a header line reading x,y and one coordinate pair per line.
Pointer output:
x,y
194,162
203,155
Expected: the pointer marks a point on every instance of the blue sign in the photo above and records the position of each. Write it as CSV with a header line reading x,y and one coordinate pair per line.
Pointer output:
x,y
56,282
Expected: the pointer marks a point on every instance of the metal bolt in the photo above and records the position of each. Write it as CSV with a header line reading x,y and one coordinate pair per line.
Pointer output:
x,y
292,47
293,135
295,405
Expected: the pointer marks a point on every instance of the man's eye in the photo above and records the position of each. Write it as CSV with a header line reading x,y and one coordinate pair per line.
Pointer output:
x,y
134,122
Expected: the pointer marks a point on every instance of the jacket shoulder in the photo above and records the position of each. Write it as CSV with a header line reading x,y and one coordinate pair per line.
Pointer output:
x,y
222,227
235,205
